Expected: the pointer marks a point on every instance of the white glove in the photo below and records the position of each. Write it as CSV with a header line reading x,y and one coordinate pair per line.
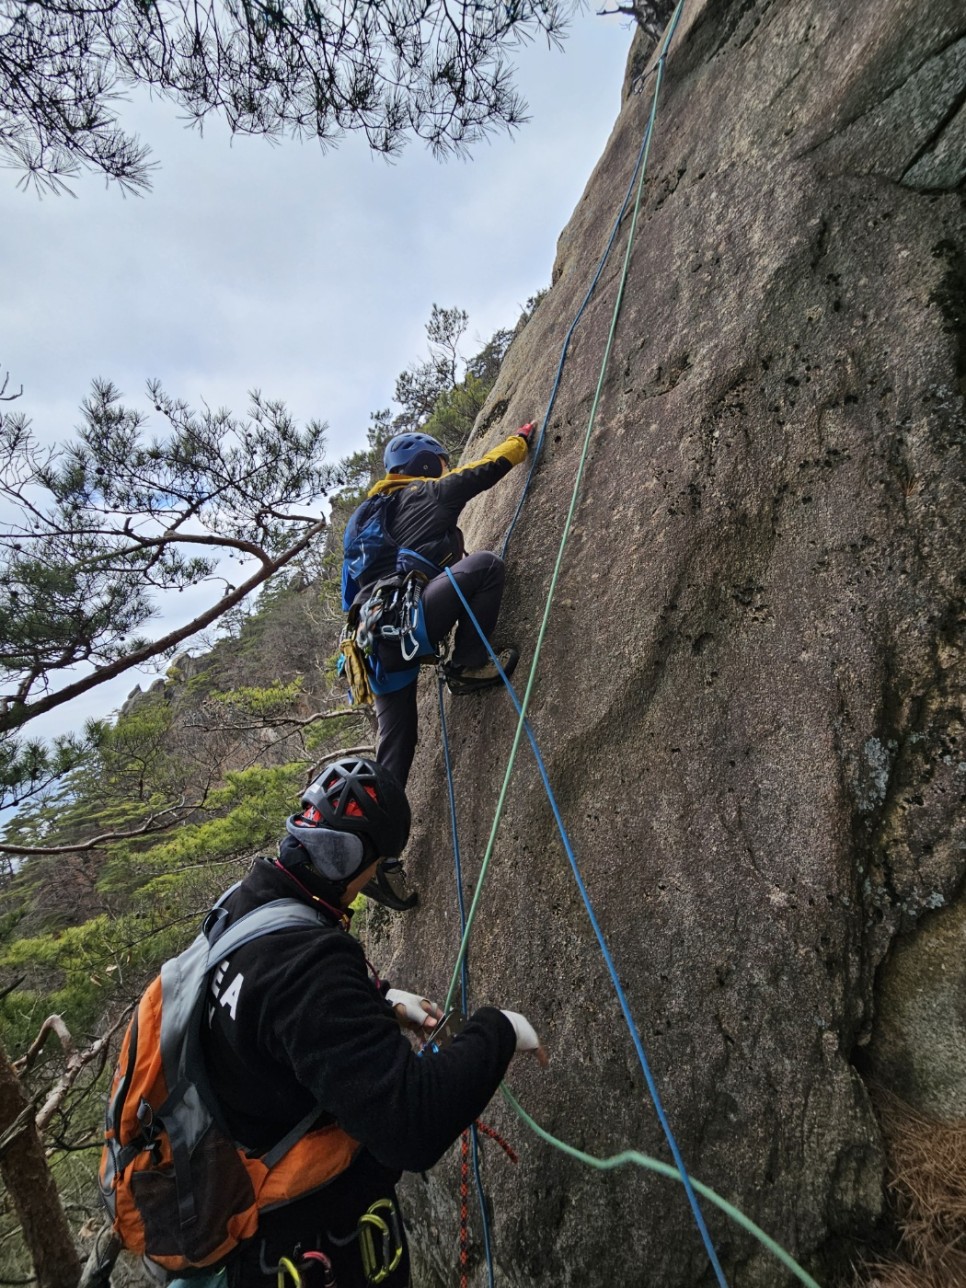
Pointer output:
x,y
416,1009
527,1039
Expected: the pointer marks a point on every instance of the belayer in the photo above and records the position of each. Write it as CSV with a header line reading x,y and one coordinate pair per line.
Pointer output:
x,y
302,1071
401,602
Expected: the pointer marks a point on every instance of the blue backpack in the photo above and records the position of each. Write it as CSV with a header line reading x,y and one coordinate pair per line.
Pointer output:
x,y
371,554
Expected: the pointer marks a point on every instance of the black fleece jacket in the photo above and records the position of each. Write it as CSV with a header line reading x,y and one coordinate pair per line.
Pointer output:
x,y
423,512
295,1019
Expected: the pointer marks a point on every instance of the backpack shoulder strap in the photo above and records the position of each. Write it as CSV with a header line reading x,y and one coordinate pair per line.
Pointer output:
x,y
280,914
183,978
412,560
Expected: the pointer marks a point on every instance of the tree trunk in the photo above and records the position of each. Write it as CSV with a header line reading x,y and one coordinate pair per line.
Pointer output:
x,y
26,1174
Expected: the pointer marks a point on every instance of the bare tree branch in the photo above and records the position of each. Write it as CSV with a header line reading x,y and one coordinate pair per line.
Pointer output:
x,y
4,396
52,1024
18,713
77,1061
271,722
150,825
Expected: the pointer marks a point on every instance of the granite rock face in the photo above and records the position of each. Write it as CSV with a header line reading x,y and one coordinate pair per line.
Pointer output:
x,y
750,695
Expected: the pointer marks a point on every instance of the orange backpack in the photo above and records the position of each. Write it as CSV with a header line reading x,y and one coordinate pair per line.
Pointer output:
x,y
179,1190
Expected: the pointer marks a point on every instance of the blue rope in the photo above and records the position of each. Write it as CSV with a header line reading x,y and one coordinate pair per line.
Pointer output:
x,y
464,980
457,861
565,348
609,961
621,996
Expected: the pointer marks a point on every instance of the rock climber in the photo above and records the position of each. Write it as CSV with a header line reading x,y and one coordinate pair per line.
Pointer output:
x,y
298,1018
408,523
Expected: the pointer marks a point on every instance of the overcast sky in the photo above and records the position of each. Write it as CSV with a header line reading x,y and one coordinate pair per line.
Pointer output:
x,y
309,276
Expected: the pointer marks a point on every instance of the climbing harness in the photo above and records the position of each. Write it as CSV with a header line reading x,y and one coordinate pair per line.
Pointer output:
x,y
380,1260
391,610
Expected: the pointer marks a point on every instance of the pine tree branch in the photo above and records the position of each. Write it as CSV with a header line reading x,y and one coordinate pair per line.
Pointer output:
x,y
151,825
16,712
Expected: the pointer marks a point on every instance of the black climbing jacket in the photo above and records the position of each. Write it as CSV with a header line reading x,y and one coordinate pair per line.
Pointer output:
x,y
421,514
295,1020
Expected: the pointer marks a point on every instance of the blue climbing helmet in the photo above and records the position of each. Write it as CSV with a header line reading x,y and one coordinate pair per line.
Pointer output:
x,y
415,454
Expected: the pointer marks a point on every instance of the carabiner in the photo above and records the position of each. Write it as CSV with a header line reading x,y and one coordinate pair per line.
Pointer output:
x,y
286,1266
375,1266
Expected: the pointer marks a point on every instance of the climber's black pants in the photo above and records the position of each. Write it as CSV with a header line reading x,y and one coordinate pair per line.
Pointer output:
x,y
480,577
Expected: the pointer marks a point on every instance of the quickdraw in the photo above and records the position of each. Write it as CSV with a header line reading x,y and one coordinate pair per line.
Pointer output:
x,y
379,1262
390,612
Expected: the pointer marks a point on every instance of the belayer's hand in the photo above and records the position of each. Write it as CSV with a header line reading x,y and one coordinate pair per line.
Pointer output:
x,y
413,1011
527,431
527,1039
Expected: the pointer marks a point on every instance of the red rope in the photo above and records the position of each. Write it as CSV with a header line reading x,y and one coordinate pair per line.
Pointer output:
x,y
487,1130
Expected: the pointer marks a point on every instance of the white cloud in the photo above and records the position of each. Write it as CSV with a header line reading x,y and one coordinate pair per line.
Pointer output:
x,y
307,275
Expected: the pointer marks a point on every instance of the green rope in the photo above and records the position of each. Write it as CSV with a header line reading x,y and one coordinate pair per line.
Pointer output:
x,y
664,1169
568,524
626,1156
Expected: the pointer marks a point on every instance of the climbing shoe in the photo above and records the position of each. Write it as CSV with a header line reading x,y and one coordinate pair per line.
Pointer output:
x,y
390,887
471,679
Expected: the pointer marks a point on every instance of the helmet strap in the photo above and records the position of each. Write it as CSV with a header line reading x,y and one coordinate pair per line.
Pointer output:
x,y
341,914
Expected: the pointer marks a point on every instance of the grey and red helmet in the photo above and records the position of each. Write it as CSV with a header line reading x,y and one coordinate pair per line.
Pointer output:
x,y
353,813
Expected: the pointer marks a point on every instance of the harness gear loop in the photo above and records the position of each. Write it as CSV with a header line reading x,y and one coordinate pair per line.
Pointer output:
x,y
379,1263
328,1275
390,612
